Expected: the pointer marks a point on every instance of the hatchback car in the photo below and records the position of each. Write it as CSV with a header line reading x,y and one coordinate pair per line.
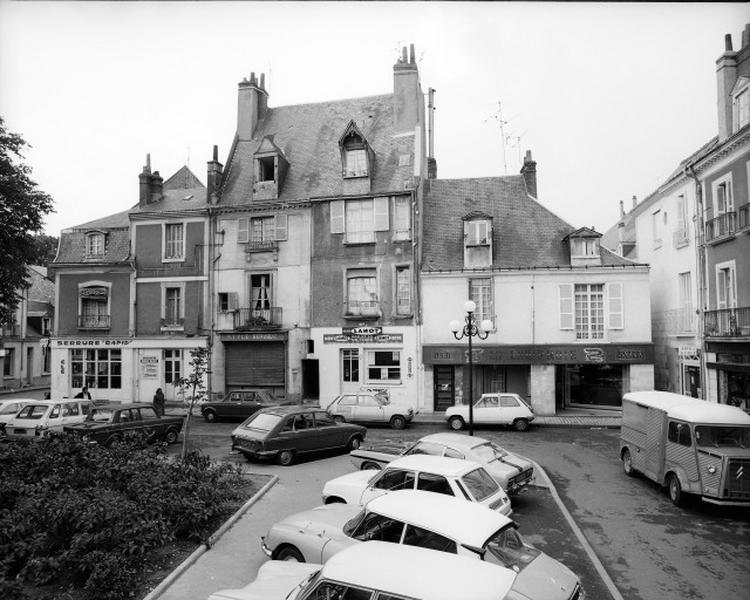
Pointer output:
x,y
432,521
284,432
493,409
42,417
370,408
377,570
463,479
511,471
9,407
239,405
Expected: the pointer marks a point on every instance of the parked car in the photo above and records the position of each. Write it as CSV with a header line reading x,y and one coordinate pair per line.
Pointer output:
x,y
377,570
9,408
464,479
493,409
109,423
432,521
42,417
283,432
371,408
511,471
239,404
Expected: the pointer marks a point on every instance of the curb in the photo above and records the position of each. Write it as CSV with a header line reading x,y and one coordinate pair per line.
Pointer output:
x,y
204,547
613,591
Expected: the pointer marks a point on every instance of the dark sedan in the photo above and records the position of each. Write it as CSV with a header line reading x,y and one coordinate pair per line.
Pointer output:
x,y
239,405
109,423
284,432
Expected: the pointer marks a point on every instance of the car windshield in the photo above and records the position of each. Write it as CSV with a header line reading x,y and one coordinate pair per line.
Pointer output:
x,y
101,415
489,452
33,411
508,549
352,523
718,436
480,484
263,421
307,583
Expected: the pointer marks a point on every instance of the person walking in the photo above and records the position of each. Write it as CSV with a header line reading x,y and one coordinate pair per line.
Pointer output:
x,y
84,393
159,402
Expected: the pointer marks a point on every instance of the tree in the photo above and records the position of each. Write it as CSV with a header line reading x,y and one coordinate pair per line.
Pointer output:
x,y
45,249
195,383
22,210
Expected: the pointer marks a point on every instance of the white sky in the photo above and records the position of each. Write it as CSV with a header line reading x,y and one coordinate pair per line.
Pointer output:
x,y
609,97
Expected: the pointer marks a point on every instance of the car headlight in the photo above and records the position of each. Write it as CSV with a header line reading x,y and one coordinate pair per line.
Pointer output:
x,y
712,469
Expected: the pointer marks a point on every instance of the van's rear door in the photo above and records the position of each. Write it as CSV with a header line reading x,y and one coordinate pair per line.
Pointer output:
x,y
656,440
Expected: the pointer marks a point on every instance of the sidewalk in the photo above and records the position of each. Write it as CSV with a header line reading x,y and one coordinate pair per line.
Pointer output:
x,y
610,419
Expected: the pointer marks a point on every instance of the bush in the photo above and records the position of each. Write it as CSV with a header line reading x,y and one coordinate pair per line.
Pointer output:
x,y
85,518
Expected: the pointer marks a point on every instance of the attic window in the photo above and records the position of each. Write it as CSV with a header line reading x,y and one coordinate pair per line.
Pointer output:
x,y
95,245
584,246
355,156
266,168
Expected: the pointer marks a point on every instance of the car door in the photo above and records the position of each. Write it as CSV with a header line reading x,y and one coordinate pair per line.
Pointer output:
x,y
150,423
345,406
485,410
510,408
368,410
70,414
305,435
328,434
232,406
388,480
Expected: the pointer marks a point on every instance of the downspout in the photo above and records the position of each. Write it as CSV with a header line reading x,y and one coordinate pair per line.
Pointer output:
x,y
213,258
700,267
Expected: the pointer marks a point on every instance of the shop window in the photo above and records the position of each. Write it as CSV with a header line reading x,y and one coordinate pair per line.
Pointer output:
x,y
383,366
172,365
350,366
100,369
679,433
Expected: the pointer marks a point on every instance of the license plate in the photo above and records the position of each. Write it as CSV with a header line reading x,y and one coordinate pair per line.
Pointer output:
x,y
20,431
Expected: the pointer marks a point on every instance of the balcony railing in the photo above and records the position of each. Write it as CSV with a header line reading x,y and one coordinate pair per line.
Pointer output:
x,y
721,227
680,238
257,318
368,309
728,322
261,246
743,217
93,321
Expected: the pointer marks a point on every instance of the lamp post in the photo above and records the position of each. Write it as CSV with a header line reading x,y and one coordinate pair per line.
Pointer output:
x,y
469,330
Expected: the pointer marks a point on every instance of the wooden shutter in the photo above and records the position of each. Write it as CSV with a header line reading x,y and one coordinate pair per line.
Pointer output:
x,y
337,216
615,306
566,306
280,226
232,301
242,230
381,214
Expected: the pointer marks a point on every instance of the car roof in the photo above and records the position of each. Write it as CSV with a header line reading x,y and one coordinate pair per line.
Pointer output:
x,y
691,409
53,402
287,410
466,522
454,439
118,405
435,464
418,572
8,400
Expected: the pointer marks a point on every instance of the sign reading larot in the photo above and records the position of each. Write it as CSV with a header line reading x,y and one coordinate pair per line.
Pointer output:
x,y
362,330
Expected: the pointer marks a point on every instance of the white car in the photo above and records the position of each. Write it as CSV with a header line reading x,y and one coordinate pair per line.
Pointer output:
x,y
377,570
9,408
493,409
370,408
39,418
463,479
432,521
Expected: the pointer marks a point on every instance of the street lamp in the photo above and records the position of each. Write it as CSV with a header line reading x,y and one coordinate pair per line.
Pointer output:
x,y
469,330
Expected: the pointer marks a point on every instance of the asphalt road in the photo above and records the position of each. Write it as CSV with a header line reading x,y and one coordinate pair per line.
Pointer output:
x,y
650,548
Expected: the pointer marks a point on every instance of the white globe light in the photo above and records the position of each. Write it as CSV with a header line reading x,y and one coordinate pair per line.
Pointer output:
x,y
487,325
470,306
455,326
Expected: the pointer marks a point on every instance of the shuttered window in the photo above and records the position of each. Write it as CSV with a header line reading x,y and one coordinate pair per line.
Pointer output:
x,y
255,364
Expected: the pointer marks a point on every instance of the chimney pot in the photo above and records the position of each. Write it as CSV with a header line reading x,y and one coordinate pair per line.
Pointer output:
x,y
403,54
635,201
412,59
528,170
216,152
622,208
263,81
728,42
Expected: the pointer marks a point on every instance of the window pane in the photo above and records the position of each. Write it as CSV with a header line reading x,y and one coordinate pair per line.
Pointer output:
x,y
360,221
350,365
173,241
403,290
589,307
480,292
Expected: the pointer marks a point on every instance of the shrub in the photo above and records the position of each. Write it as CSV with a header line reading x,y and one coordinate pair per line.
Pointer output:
x,y
85,518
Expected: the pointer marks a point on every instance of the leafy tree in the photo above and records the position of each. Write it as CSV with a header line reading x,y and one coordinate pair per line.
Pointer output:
x,y
196,386
45,249
22,210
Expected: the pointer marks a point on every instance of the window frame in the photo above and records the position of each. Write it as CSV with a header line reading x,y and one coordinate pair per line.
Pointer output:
x,y
484,310
170,251
722,183
740,110
180,323
107,305
95,244
402,306
397,369
721,269
594,323
364,273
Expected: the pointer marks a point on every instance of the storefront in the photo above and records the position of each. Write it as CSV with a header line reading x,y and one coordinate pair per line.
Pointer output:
x,y
256,359
690,370
551,377
730,364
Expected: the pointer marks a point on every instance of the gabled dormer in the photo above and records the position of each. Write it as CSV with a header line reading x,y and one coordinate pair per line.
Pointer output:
x,y
357,160
270,168
95,244
740,103
583,244
477,240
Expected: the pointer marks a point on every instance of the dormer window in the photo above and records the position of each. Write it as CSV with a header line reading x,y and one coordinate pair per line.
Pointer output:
x,y
356,162
477,241
584,247
356,154
267,168
270,169
741,104
95,245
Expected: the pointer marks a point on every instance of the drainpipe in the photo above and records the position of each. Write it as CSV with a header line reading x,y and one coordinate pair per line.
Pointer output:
x,y
700,258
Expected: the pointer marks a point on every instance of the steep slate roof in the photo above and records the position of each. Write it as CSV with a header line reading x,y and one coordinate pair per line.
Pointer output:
x,y
182,191
525,233
308,135
72,247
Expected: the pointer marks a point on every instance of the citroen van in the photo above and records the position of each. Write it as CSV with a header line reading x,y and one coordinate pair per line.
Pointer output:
x,y
42,417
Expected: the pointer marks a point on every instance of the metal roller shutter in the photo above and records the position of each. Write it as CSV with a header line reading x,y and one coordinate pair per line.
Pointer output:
x,y
255,364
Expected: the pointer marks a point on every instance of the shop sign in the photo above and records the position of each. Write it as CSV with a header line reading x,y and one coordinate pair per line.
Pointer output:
x,y
541,354
150,367
362,330
351,338
91,343
688,352
253,337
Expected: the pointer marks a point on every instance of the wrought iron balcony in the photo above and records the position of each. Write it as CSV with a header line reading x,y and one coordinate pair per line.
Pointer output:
x,y
246,319
261,246
364,309
728,322
93,321
721,227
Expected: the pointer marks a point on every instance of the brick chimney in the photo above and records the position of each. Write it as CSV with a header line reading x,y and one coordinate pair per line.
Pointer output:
x,y
431,162
407,93
528,170
252,103
726,76
213,178
144,183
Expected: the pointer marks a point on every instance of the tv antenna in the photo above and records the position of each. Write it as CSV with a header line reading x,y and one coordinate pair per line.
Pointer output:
x,y
498,116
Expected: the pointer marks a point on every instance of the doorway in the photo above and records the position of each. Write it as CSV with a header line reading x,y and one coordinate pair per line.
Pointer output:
x,y
310,379
444,387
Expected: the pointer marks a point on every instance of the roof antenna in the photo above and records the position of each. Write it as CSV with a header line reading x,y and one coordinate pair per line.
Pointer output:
x,y
498,116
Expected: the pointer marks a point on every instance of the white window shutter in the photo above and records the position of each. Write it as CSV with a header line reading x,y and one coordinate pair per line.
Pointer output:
x,y
242,230
566,305
281,222
233,301
381,214
337,216
616,320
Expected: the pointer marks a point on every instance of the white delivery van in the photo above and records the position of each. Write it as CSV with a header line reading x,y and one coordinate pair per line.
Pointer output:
x,y
689,445
41,417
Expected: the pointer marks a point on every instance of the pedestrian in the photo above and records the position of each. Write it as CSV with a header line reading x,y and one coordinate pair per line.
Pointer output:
x,y
84,393
159,402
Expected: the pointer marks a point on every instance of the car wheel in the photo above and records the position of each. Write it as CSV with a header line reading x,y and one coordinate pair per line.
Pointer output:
x,y
289,553
675,490
171,436
334,500
209,416
370,466
339,419
521,424
398,422
627,463
354,443
285,457
456,423
113,441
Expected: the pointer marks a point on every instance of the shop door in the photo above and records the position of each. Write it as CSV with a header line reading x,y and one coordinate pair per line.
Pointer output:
x,y
692,381
310,379
444,387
